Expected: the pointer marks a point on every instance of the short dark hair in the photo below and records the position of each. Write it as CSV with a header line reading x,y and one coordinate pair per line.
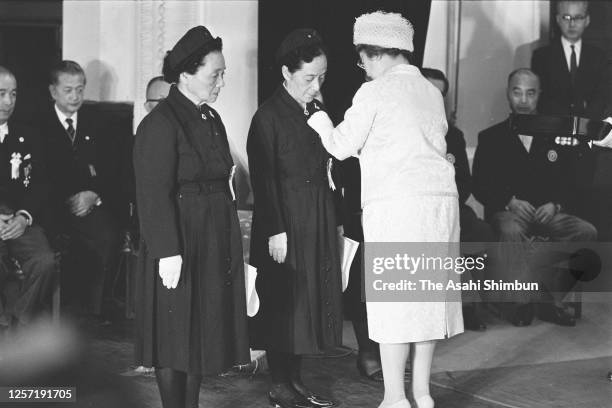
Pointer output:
x,y
375,51
190,65
65,67
522,71
305,54
6,71
558,3
432,73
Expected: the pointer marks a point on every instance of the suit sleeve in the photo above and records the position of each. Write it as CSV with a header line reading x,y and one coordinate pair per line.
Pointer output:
x,y
489,185
463,179
155,163
37,193
262,151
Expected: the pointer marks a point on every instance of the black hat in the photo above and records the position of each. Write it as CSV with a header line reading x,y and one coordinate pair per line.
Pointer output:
x,y
297,38
189,44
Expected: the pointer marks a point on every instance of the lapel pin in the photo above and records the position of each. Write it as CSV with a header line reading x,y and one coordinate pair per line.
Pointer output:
x,y
21,140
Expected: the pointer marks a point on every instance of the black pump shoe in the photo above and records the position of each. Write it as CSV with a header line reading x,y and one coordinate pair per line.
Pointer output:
x,y
557,315
314,399
296,401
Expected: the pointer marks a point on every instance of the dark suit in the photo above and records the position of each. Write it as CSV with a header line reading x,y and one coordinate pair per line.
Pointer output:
x,y
29,192
504,169
588,95
86,165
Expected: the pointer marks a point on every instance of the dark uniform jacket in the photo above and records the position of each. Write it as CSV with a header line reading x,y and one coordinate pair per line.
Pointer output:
x,y
503,169
211,160
182,164
587,97
301,298
88,164
29,191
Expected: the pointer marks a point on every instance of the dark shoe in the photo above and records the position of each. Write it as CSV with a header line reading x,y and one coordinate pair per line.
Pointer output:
x,y
555,314
369,368
471,319
522,315
279,402
284,396
314,399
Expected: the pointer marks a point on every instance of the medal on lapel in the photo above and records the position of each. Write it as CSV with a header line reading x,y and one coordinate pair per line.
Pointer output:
x,y
27,171
15,163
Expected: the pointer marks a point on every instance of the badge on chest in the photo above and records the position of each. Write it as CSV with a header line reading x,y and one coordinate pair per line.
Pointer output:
x,y
20,163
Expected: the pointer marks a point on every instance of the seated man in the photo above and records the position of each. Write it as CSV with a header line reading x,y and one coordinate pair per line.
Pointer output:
x,y
23,191
84,177
473,229
520,181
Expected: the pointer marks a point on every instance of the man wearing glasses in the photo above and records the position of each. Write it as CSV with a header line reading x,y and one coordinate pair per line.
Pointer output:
x,y
157,90
572,72
574,81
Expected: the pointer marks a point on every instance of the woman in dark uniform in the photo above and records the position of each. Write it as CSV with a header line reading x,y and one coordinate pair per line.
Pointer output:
x,y
193,310
294,238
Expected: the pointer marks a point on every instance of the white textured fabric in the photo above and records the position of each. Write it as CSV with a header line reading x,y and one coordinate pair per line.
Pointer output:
x,y
386,30
413,219
397,127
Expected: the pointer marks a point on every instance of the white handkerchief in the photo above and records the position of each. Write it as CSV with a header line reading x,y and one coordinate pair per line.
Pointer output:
x,y
252,299
349,248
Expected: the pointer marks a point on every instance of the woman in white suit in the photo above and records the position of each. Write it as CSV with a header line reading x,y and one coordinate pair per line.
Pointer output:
x,y
396,126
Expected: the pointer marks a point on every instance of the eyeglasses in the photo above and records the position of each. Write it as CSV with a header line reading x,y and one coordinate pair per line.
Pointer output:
x,y
571,19
360,65
155,100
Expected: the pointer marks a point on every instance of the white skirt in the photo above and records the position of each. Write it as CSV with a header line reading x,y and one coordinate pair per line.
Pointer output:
x,y
413,219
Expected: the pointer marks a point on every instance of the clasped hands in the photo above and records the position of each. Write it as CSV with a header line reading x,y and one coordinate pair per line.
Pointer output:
x,y
527,212
82,203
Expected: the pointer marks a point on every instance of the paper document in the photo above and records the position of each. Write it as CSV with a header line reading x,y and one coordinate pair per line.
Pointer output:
x,y
349,248
252,299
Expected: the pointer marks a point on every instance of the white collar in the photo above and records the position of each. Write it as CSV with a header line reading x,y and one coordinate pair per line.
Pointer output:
x,y
3,131
567,50
62,117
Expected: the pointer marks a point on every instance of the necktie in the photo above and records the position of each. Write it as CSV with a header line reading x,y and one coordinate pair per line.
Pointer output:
x,y
70,130
573,65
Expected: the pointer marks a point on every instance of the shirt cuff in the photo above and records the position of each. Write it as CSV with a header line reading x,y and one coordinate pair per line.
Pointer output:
x,y
27,216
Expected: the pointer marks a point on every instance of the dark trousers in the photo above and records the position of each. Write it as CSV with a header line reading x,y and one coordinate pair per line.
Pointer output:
x,y
476,238
30,293
95,237
516,253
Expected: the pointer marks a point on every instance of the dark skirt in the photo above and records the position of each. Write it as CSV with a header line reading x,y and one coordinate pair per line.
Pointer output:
x,y
201,326
301,299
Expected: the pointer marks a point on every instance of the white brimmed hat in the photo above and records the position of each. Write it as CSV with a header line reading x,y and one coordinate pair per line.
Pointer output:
x,y
385,30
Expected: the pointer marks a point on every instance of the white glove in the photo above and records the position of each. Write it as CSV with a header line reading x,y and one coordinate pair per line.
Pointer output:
x,y
170,270
277,247
606,141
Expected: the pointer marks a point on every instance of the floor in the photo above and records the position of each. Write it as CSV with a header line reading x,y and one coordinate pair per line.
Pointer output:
x,y
542,365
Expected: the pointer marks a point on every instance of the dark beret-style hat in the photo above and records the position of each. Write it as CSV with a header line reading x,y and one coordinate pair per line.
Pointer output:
x,y
299,37
189,44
